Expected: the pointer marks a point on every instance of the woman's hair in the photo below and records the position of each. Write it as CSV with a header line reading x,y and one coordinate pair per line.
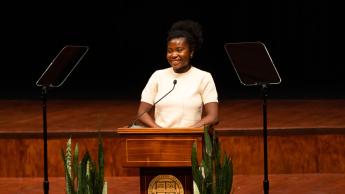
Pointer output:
x,y
188,29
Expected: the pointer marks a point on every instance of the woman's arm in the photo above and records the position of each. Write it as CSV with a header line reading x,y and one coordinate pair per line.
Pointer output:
x,y
211,115
144,116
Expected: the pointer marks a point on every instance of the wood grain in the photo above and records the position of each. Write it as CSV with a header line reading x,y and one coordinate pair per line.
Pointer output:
x,y
305,136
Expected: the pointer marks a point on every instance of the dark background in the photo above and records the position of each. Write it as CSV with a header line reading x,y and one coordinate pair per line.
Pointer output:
x,y
127,43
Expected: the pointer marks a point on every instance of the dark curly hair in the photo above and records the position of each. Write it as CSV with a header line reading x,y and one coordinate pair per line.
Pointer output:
x,y
188,29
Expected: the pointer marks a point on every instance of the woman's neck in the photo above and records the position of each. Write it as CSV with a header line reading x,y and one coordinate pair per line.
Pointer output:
x,y
183,69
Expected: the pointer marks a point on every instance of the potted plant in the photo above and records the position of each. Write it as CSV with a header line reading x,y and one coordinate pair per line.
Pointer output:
x,y
85,176
212,176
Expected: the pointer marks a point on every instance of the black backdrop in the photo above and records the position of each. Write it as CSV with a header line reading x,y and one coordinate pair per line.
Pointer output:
x,y
127,43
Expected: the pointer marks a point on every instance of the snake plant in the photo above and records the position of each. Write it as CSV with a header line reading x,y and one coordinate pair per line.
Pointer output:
x,y
212,176
85,176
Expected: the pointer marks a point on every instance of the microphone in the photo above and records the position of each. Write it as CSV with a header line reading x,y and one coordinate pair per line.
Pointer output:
x,y
141,114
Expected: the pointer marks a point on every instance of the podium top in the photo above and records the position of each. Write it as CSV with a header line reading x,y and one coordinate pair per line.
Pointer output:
x,y
187,130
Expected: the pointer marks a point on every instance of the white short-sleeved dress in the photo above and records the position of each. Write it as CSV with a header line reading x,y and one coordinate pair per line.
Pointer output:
x,y
183,106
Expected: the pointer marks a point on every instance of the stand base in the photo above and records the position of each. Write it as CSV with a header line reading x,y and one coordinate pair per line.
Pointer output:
x,y
266,186
46,187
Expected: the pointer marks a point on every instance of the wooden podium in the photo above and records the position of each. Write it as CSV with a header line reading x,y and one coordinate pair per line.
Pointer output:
x,y
163,156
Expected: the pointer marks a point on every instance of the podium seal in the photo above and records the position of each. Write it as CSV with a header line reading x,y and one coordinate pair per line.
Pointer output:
x,y
165,184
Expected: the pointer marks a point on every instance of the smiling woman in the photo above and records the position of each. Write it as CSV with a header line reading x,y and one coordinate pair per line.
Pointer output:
x,y
184,39
194,101
179,55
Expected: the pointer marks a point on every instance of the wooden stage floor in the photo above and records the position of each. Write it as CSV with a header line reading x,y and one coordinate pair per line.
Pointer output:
x,y
23,118
243,184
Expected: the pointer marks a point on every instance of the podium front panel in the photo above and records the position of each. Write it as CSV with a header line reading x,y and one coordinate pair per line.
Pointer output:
x,y
150,148
158,151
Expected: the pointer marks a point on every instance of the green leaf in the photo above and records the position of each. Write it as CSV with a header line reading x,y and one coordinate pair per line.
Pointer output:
x,y
68,179
208,143
84,170
100,171
75,162
196,172
213,176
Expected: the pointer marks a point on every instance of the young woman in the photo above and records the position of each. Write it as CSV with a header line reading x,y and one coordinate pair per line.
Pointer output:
x,y
183,95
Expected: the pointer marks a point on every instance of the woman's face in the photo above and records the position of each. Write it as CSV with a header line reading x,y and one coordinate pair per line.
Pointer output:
x,y
179,54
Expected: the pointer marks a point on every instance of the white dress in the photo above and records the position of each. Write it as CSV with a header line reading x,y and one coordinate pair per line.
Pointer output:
x,y
183,106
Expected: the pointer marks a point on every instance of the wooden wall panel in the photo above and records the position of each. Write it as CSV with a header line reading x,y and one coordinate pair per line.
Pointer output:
x,y
331,155
245,152
295,153
287,154
24,157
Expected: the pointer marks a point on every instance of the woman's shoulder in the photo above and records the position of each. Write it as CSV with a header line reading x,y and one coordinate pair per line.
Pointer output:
x,y
159,74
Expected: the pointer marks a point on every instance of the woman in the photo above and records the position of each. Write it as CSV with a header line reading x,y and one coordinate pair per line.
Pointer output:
x,y
191,100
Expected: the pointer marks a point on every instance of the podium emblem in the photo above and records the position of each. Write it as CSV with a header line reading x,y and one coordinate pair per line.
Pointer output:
x,y
165,184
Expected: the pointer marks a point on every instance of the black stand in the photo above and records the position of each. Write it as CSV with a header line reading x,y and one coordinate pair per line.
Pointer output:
x,y
264,112
54,76
254,66
45,146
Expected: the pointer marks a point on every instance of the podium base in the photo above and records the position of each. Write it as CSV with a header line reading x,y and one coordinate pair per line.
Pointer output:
x,y
166,180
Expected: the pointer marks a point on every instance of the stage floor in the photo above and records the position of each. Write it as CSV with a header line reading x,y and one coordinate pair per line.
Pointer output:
x,y
243,184
25,116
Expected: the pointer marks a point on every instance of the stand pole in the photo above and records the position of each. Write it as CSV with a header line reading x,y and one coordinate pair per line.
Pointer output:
x,y
45,145
264,106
